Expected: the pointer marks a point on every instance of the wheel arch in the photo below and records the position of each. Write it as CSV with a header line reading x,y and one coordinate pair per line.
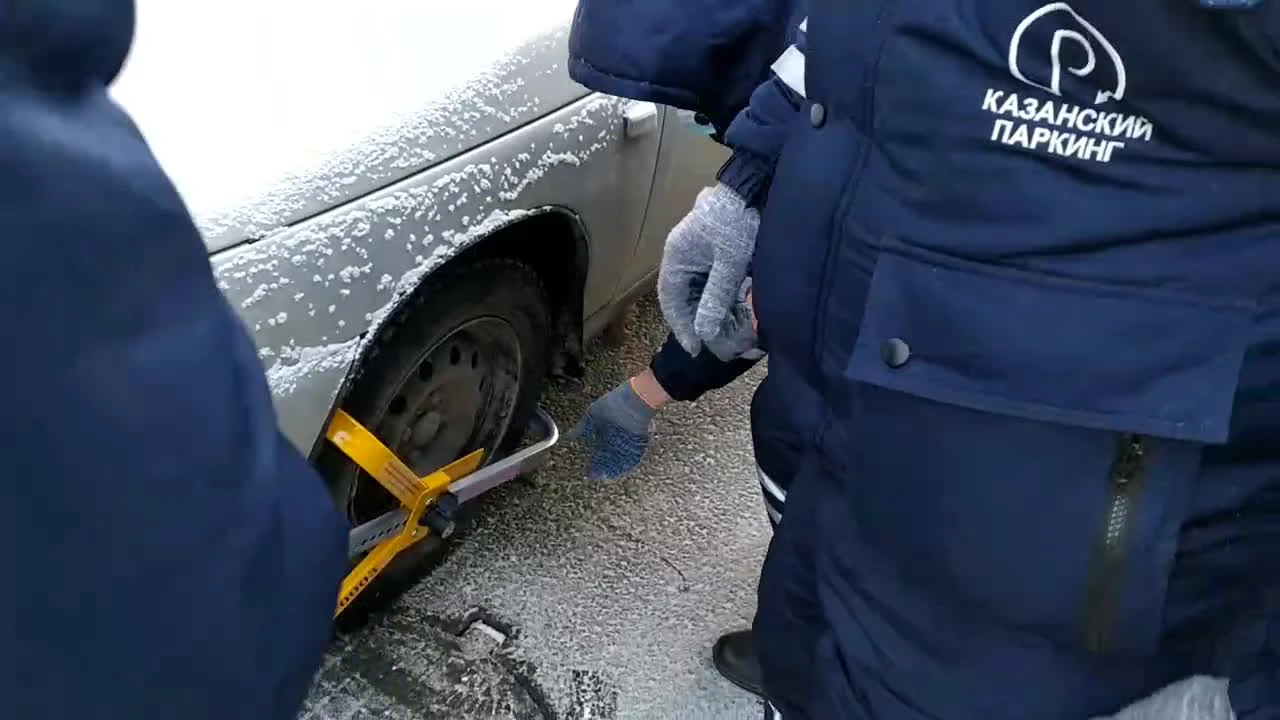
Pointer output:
x,y
553,241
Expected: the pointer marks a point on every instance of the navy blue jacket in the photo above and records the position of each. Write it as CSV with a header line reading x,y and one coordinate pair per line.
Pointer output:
x,y
168,553
701,55
1027,259
688,377
1017,268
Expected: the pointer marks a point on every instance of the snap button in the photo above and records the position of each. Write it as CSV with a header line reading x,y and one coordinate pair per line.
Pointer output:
x,y
895,352
817,115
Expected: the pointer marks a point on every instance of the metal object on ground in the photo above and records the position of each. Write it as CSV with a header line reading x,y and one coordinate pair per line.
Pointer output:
x,y
513,466
428,504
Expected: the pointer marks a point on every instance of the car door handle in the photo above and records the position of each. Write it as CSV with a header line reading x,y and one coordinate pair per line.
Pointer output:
x,y
640,118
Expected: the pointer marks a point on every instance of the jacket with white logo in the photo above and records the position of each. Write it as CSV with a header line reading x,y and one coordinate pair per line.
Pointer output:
x,y
1020,260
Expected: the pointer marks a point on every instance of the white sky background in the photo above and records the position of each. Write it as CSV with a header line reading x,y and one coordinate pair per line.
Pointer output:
x,y
236,95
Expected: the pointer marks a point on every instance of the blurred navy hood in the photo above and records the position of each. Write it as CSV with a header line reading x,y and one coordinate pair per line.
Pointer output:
x,y
65,44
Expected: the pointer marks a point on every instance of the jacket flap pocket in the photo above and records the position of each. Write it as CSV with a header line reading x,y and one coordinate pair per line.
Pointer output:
x,y
1015,343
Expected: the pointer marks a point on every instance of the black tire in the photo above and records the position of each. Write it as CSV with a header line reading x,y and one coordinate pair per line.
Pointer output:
x,y
479,334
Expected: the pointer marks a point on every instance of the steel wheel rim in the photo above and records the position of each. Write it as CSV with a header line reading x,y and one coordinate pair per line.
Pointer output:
x,y
458,396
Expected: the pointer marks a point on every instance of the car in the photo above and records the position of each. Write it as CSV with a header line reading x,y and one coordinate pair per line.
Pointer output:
x,y
416,212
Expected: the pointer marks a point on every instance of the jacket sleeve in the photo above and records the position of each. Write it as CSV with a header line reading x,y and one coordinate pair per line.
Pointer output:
x,y
757,133
687,377
705,56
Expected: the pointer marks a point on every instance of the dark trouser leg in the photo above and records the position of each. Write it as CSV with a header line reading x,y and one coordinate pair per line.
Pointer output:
x,y
734,654
787,619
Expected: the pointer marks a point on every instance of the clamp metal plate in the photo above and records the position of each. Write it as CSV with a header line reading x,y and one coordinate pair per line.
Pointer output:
x,y
389,471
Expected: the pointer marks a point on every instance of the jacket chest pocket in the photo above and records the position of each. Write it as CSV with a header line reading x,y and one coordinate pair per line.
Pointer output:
x,y
1026,445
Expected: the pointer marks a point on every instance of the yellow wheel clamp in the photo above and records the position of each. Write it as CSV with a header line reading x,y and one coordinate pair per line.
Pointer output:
x,y
427,504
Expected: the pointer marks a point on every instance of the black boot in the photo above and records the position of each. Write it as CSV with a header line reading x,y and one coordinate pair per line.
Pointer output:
x,y
734,657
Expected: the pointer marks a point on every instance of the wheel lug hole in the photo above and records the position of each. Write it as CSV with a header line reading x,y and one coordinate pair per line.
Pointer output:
x,y
397,406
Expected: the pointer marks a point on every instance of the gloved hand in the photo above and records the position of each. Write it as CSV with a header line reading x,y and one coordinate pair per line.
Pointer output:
x,y
616,431
704,266
1196,698
737,336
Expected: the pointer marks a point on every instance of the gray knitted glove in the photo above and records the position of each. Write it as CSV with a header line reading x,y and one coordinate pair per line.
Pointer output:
x,y
704,266
1196,698
737,336
615,431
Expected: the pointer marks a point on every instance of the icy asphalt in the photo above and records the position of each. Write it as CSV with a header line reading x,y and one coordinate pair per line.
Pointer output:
x,y
570,600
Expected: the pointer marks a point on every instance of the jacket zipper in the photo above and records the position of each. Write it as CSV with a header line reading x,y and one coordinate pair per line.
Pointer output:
x,y
1110,551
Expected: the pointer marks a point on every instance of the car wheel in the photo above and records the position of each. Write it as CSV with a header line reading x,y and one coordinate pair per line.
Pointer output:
x,y
460,369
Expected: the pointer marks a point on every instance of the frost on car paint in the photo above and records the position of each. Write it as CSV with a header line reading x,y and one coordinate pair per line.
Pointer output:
x,y
335,154
354,261
355,246
296,364
267,111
